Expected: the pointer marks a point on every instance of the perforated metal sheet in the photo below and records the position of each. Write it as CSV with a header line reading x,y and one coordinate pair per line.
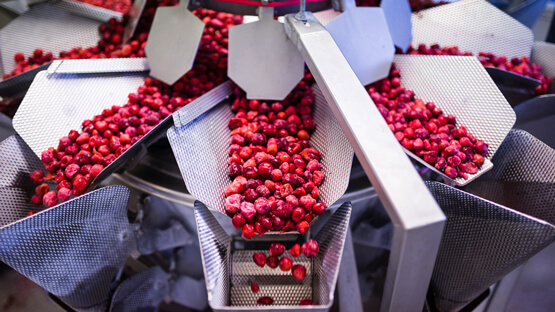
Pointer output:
x,y
86,10
537,117
215,246
279,285
481,243
142,292
523,177
59,102
228,273
16,189
460,86
45,27
200,149
17,85
74,249
95,66
472,25
542,53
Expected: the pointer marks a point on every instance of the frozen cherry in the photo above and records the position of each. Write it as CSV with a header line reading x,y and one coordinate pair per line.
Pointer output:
x,y
277,249
259,258
285,264
265,300
248,231
299,272
298,214
261,205
272,262
64,194
233,203
302,227
37,199
37,177
50,199
319,208
254,287
295,251
238,220
310,248
247,210
42,189
306,302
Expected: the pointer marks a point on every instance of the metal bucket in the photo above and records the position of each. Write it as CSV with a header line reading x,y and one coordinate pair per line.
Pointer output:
x,y
74,249
228,269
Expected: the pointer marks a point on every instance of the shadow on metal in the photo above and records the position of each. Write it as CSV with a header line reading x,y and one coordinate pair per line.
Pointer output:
x,y
523,178
481,243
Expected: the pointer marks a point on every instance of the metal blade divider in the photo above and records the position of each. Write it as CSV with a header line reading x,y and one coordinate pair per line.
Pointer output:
x,y
417,218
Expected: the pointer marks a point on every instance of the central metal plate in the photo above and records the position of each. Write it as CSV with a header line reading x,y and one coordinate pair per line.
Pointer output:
x,y
369,53
173,42
262,59
398,16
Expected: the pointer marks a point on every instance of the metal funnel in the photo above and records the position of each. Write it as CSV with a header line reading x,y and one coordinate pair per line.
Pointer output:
x,y
200,149
228,270
523,177
73,250
142,292
482,242
460,86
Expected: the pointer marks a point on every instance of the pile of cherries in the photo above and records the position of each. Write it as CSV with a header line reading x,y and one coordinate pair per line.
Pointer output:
x,y
82,155
517,65
298,271
110,44
423,129
276,172
121,6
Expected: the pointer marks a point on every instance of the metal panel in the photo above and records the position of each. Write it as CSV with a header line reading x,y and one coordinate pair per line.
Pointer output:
x,y
228,272
537,117
417,218
200,149
86,10
523,178
460,86
45,27
142,292
472,25
542,53
482,242
74,249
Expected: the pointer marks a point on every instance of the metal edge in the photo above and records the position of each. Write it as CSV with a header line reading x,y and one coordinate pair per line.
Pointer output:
x,y
87,10
507,78
69,202
20,82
